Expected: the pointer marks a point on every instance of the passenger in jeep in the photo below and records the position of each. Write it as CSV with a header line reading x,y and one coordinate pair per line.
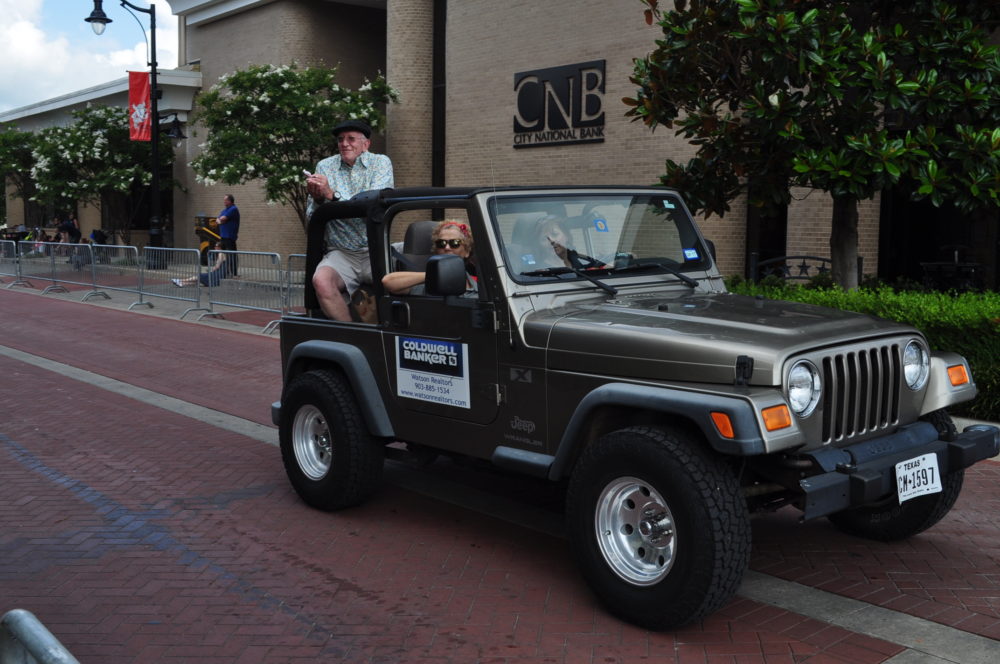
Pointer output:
x,y
553,248
448,237
552,243
346,264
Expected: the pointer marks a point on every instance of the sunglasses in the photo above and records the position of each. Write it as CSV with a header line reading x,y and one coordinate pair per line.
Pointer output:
x,y
454,244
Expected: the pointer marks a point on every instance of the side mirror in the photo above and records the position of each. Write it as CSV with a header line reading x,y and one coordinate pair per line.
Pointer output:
x,y
445,275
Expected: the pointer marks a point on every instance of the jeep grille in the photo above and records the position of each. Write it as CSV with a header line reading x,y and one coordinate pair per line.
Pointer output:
x,y
861,392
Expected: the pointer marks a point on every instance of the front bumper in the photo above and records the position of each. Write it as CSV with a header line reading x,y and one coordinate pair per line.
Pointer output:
x,y
865,473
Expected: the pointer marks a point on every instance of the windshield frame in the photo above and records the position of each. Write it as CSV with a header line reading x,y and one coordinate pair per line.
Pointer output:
x,y
598,237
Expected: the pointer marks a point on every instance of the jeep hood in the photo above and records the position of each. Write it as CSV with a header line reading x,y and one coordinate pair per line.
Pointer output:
x,y
693,338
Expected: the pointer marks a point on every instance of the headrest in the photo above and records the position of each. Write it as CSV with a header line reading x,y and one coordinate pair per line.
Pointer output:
x,y
417,239
525,229
417,246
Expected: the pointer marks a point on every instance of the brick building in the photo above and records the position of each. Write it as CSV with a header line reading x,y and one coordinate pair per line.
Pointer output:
x,y
475,79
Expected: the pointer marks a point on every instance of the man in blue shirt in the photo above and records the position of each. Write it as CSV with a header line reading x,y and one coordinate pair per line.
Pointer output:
x,y
229,229
346,264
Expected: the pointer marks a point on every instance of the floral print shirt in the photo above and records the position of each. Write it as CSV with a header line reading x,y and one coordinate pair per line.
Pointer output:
x,y
370,171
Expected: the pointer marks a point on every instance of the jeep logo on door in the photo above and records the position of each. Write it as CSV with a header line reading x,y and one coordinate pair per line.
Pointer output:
x,y
559,105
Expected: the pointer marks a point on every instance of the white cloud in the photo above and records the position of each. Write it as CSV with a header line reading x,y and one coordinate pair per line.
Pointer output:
x,y
47,50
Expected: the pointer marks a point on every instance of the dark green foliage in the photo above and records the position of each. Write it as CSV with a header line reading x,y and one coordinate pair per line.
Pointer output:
x,y
16,160
846,97
964,323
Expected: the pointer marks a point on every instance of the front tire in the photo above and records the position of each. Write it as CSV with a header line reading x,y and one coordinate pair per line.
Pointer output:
x,y
659,526
890,521
330,458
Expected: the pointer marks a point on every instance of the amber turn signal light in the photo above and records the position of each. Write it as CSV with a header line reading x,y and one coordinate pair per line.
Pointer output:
x,y
723,424
958,375
776,417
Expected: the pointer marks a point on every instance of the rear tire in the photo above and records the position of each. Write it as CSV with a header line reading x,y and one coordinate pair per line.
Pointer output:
x,y
659,526
330,458
891,521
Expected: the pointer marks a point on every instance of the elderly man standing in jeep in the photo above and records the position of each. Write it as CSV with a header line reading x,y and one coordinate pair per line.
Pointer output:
x,y
345,265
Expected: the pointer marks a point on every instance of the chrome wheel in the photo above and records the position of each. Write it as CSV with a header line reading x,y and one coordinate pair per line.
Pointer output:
x,y
330,457
635,531
659,525
311,442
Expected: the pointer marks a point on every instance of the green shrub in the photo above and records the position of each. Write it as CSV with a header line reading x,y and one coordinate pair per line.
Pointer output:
x,y
964,323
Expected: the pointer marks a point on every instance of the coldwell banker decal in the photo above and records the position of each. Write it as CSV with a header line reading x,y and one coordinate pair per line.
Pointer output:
x,y
431,370
559,105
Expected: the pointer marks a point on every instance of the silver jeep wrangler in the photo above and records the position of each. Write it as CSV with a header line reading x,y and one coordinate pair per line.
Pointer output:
x,y
599,348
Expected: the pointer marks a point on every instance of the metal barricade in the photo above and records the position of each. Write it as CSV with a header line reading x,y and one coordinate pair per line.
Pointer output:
x,y
38,261
259,285
23,638
9,264
60,263
162,269
116,268
77,269
295,286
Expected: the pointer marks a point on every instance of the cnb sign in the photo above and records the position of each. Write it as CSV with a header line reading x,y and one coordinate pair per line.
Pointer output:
x,y
559,105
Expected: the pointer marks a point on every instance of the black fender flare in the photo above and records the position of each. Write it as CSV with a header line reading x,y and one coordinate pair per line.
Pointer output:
x,y
352,361
692,405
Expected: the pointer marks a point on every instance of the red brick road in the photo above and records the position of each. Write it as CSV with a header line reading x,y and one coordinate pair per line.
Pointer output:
x,y
950,574
140,535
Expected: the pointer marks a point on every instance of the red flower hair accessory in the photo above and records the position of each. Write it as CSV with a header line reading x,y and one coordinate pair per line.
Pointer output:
x,y
462,228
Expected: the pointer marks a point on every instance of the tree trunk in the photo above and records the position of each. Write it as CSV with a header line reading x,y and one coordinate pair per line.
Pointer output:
x,y
844,241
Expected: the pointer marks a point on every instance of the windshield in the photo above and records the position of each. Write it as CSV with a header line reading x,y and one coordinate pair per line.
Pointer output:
x,y
559,236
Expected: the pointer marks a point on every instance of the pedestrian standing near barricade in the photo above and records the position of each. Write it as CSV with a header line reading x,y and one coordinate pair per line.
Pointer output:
x,y
100,238
69,230
74,229
346,264
229,229
72,232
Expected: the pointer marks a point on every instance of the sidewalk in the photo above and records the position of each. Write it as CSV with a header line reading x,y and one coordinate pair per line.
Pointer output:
x,y
143,520
231,318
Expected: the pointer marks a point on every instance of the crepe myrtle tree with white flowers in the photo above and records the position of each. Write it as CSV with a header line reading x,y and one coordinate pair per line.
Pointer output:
x,y
92,160
270,122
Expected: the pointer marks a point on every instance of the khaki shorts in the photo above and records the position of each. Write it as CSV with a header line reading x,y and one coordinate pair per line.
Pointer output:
x,y
354,267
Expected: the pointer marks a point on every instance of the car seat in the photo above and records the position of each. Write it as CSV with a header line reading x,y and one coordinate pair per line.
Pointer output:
x,y
417,247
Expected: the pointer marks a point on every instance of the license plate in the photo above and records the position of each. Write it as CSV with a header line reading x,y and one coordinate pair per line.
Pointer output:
x,y
918,476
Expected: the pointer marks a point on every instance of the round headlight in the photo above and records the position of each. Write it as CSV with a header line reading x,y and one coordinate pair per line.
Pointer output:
x,y
916,365
804,388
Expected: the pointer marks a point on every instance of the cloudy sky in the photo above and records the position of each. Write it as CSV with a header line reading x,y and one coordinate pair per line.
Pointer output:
x,y
48,50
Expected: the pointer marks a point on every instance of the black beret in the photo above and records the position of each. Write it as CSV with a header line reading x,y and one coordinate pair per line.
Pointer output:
x,y
353,125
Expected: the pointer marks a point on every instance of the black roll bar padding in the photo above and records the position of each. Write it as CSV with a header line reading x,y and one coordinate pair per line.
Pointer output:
x,y
372,206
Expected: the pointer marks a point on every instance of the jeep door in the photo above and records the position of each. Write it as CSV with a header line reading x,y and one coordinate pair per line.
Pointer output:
x,y
441,360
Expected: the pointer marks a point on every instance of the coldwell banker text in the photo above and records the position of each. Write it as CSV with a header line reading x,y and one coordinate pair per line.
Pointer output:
x,y
559,105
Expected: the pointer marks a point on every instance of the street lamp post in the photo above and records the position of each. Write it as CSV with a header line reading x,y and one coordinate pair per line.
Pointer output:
x,y
98,21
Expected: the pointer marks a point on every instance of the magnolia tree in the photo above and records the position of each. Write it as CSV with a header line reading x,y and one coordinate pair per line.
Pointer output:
x,y
272,122
846,97
93,160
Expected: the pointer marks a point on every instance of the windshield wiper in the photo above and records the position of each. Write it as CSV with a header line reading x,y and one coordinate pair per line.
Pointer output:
x,y
554,271
634,267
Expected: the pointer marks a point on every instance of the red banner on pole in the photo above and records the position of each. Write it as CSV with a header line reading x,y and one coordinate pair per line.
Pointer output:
x,y
139,113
